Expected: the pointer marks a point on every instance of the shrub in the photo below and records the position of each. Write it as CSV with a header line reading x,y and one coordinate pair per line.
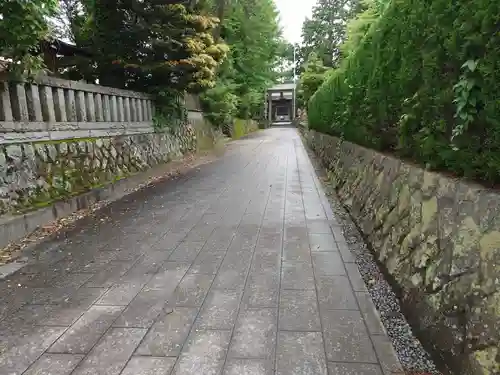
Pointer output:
x,y
423,83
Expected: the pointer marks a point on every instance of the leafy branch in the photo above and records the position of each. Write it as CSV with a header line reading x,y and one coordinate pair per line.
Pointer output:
x,y
466,100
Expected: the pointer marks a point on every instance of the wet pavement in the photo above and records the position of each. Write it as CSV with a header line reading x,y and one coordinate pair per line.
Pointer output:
x,y
236,268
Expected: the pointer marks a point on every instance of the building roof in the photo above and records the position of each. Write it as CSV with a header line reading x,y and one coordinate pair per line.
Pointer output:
x,y
283,87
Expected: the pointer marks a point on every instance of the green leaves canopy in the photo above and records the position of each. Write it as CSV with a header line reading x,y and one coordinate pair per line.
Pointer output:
x,y
250,29
22,26
325,31
397,91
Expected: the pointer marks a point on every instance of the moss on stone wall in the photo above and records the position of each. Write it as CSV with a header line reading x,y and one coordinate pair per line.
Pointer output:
x,y
243,127
34,175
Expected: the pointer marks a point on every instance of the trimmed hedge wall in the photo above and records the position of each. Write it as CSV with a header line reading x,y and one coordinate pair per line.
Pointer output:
x,y
426,70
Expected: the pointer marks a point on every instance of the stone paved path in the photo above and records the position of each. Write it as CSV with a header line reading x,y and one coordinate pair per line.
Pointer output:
x,y
237,268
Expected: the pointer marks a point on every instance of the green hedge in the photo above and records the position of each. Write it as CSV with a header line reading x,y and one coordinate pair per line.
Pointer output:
x,y
398,91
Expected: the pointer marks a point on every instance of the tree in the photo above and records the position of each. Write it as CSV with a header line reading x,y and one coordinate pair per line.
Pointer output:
x,y
311,79
285,65
358,26
250,29
325,31
23,24
149,45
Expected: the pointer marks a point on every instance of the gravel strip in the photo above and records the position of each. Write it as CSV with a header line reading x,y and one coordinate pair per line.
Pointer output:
x,y
412,356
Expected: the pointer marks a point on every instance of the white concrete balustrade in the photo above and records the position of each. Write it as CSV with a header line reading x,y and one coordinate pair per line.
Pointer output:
x,y
52,108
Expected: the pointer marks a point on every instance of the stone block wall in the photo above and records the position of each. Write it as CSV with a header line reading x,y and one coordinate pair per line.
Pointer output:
x,y
35,174
438,238
61,138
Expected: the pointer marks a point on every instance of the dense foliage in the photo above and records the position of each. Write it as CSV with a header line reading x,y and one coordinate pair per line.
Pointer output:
x,y
22,25
148,45
250,29
311,79
325,31
423,82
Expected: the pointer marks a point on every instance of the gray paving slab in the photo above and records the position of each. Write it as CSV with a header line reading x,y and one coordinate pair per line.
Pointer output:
x,y
204,353
262,290
192,290
219,310
300,353
111,354
121,294
143,309
255,334
328,264
355,277
346,338
149,366
168,277
84,334
18,354
168,334
299,311
55,364
386,355
248,367
353,369
370,314
322,242
335,292
238,267
297,275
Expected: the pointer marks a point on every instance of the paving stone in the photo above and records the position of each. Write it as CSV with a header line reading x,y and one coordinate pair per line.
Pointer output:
x,y
293,251
319,227
168,333
370,314
296,234
353,369
123,293
149,263
87,330
356,280
386,355
262,290
144,309
322,242
300,353
345,252
149,366
64,314
248,367
186,251
299,311
328,264
254,334
335,292
203,353
269,240
54,364
111,354
72,280
266,260
23,351
297,275
192,290
207,263
231,278
168,277
219,310
346,338
109,275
